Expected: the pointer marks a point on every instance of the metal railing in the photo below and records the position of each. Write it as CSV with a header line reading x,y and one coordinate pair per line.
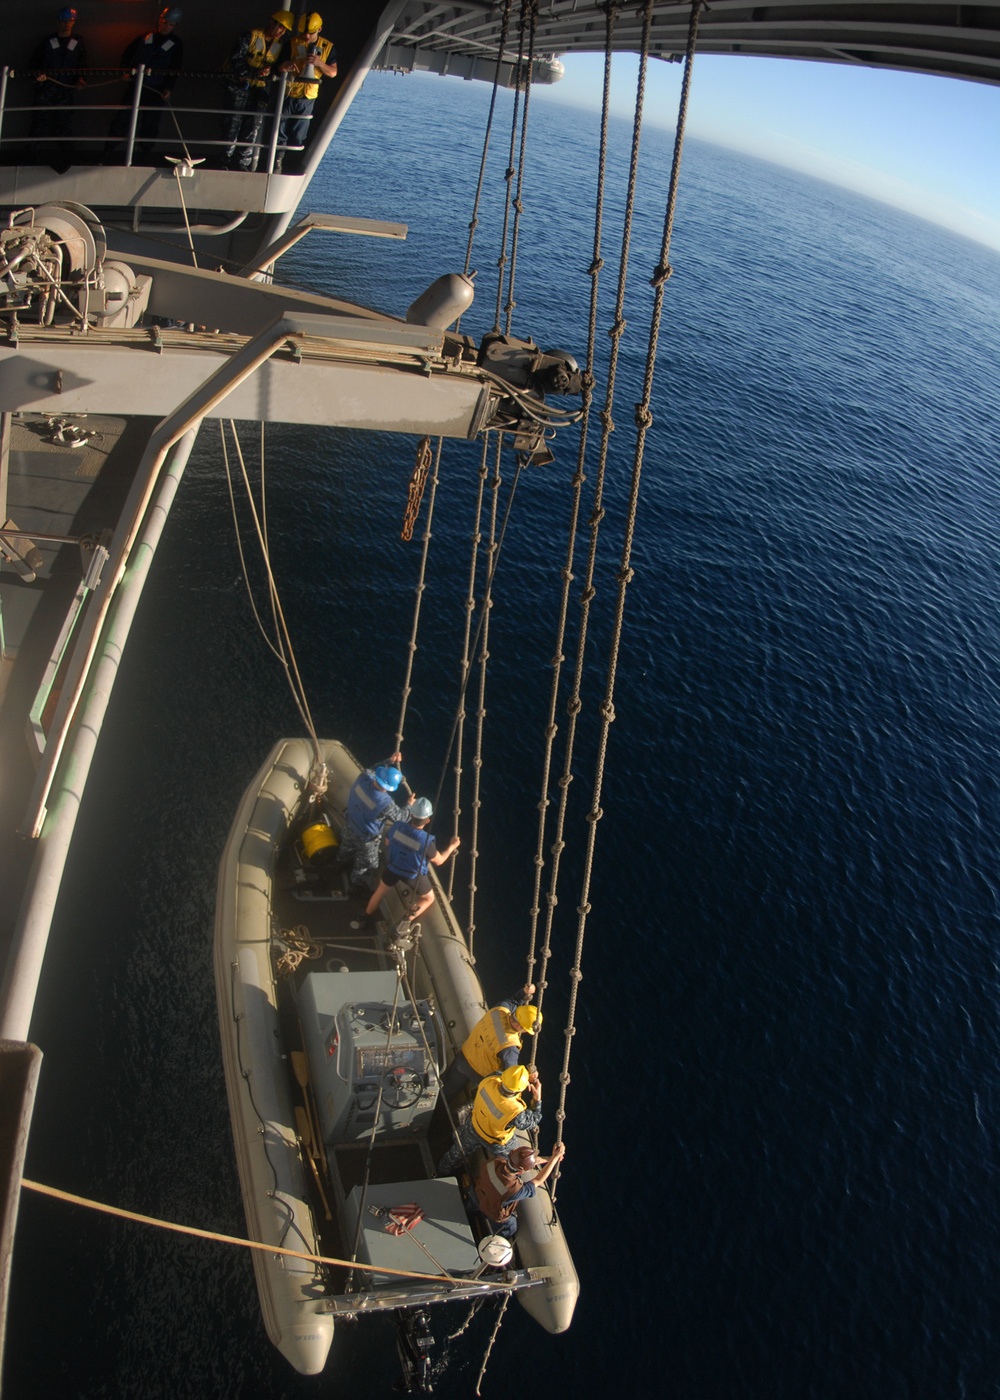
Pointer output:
x,y
117,143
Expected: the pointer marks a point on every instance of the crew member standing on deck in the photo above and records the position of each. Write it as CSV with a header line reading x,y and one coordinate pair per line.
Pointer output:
x,y
494,1043
59,58
249,83
312,58
161,53
497,1114
411,850
370,809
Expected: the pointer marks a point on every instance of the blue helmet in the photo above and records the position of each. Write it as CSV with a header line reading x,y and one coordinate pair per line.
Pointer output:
x,y
67,14
422,809
388,778
171,15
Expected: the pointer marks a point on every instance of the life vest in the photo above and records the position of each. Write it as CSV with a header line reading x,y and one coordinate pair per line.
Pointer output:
x,y
262,55
407,855
156,50
496,1182
63,52
309,87
494,1111
367,807
489,1036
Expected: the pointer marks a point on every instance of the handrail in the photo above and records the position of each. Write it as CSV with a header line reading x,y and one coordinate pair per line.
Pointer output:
x,y
138,76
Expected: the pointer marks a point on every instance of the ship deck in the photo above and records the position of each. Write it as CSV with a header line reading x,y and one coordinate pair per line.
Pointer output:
x,y
47,490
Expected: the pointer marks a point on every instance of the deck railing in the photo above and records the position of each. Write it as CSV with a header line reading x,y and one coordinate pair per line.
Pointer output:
x,y
93,133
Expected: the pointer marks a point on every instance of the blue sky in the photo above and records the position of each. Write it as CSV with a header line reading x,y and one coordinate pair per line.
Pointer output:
x,y
928,145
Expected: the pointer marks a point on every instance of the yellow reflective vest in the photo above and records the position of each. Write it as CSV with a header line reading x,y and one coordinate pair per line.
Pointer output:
x,y
262,55
490,1035
296,87
494,1111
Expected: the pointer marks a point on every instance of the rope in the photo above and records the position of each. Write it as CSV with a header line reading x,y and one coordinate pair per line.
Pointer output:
x,y
593,272
460,709
474,221
509,174
529,7
454,1336
458,726
484,655
489,1344
283,650
371,1138
184,211
574,705
431,1059
220,1238
423,454
300,946
644,419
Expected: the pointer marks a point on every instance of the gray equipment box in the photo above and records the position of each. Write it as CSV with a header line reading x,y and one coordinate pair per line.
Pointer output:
x,y
345,1019
444,1232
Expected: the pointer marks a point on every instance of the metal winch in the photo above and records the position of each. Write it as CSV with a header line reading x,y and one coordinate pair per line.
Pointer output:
x,y
55,271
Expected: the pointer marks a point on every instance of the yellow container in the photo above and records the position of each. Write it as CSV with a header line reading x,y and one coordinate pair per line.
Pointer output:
x,y
319,844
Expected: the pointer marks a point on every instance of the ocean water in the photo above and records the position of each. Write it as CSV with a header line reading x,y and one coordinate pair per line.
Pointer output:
x,y
782,1122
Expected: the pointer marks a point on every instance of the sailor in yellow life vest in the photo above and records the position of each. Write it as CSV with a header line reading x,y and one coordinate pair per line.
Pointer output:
x,y
498,1112
495,1041
312,58
250,78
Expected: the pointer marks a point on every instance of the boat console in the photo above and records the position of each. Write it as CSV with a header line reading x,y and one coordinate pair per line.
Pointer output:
x,y
373,1059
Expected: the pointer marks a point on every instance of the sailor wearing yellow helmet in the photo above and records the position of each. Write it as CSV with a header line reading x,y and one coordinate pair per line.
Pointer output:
x,y
498,1112
495,1041
312,59
249,79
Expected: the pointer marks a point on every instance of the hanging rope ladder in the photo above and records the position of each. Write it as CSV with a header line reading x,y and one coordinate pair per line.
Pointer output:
x,y
643,420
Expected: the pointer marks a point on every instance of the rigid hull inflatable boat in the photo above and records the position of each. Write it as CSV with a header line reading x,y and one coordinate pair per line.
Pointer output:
x,y
335,1038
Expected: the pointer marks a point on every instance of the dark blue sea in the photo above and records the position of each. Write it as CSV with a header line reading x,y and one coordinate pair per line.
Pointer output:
x,y
783,1118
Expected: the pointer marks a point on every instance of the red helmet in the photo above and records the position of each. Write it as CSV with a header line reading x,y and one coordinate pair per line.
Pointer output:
x,y
522,1159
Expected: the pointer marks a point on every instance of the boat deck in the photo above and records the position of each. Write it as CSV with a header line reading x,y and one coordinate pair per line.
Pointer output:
x,y
316,908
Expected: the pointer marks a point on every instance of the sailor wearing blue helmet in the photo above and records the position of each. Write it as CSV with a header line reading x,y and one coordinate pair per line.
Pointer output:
x,y
370,810
411,849
57,60
161,54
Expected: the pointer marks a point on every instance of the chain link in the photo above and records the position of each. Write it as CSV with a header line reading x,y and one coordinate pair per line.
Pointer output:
x,y
418,481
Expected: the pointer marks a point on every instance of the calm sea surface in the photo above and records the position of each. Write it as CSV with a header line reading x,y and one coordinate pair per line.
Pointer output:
x,y
782,1123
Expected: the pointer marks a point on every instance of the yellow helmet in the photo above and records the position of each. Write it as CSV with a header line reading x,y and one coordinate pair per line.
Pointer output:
x,y
514,1079
529,1018
310,24
284,17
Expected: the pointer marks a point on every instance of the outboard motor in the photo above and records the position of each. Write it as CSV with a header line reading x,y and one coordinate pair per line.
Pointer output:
x,y
414,1344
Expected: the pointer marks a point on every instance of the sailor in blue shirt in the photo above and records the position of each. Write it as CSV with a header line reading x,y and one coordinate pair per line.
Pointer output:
x,y
58,59
161,53
370,809
411,850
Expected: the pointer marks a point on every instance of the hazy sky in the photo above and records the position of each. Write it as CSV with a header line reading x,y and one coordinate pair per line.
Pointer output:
x,y
929,145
